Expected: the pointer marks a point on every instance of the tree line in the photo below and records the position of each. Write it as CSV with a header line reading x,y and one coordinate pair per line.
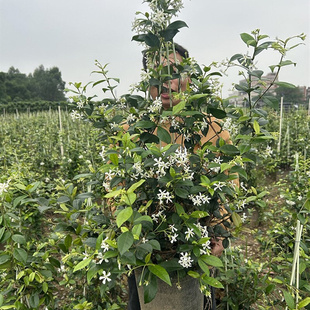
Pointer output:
x,y
43,84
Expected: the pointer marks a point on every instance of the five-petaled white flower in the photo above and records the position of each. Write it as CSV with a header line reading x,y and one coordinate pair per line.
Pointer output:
x,y
104,246
189,233
105,276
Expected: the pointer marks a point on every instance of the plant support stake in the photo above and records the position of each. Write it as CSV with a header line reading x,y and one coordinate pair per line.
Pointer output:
x,y
280,128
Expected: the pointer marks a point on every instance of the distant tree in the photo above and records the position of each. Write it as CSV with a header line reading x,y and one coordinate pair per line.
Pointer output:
x,y
43,84
48,84
293,95
16,85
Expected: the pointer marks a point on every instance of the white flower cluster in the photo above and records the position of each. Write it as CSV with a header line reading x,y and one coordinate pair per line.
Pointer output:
x,y
158,16
268,152
76,115
155,106
4,187
204,234
185,260
159,215
173,236
109,176
231,127
199,199
164,195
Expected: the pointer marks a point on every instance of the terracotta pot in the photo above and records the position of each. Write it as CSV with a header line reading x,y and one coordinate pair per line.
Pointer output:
x,y
168,297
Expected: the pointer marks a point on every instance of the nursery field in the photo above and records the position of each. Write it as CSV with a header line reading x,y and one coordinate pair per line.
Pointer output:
x,y
50,215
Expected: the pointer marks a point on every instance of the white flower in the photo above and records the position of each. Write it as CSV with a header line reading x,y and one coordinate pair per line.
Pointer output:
x,y
80,105
104,246
100,257
102,153
105,277
243,204
86,255
155,107
290,203
172,227
162,195
4,187
218,186
144,240
130,118
244,217
75,115
218,160
185,260
173,238
189,233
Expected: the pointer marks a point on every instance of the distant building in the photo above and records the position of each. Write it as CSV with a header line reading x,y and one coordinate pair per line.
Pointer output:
x,y
239,97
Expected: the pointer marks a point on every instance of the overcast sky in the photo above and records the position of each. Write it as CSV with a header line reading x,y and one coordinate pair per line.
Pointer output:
x,y
72,34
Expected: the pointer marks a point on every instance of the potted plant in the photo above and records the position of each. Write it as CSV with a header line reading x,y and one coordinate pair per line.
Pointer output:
x,y
169,170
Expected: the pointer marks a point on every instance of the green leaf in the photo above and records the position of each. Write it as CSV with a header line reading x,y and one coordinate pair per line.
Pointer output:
x,y
63,199
110,254
180,209
68,241
84,263
113,193
180,192
199,214
212,260
134,186
91,273
194,274
177,108
248,39
271,101
151,289
163,135
152,40
136,230
212,282
20,255
4,258
256,127
45,287
289,299
285,84
226,166
160,272
177,25
34,300
236,56
305,302
145,124
229,149
2,230
125,241
142,218
114,159
129,198
217,113
123,216
1,300
204,267
236,219
19,239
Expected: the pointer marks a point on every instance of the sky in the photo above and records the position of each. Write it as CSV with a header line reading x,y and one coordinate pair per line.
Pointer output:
x,y
72,34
